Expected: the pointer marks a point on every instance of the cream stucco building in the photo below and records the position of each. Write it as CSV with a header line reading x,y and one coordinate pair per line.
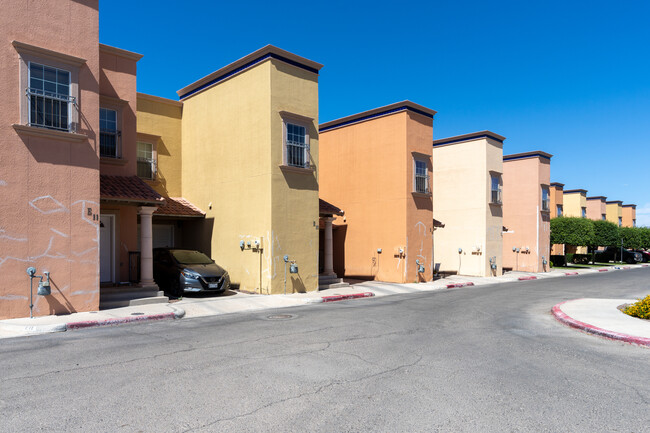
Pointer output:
x,y
466,187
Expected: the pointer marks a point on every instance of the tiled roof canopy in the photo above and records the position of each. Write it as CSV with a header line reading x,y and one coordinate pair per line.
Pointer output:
x,y
325,208
128,189
179,207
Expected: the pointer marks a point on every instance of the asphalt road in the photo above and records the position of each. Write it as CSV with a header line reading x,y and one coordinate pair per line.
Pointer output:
x,y
480,359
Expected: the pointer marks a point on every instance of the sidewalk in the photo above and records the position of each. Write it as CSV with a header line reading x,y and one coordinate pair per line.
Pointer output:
x,y
602,317
236,302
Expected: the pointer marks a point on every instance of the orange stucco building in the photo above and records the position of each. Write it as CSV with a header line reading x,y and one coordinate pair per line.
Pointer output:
x,y
629,215
376,166
526,211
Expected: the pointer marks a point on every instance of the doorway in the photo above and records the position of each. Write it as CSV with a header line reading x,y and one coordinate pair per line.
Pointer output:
x,y
107,248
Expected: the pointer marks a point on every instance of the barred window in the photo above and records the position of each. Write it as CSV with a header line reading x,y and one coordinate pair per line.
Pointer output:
x,y
49,97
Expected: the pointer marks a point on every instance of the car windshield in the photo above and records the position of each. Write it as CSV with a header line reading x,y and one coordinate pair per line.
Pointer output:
x,y
188,257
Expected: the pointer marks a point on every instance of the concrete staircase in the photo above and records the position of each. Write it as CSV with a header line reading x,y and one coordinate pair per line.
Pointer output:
x,y
330,282
125,296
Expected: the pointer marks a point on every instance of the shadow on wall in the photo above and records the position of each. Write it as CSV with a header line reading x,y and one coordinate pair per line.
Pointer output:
x,y
423,203
496,210
338,249
57,307
197,235
43,152
297,284
301,181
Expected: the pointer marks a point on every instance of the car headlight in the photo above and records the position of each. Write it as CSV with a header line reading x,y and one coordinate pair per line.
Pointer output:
x,y
189,274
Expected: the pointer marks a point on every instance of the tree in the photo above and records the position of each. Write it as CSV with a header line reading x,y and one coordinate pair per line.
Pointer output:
x,y
572,231
632,237
605,235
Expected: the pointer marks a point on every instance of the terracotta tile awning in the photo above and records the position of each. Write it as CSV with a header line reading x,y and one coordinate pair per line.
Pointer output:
x,y
437,224
178,207
325,208
129,189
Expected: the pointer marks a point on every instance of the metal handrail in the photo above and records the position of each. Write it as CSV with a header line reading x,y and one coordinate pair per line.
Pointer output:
x,y
51,95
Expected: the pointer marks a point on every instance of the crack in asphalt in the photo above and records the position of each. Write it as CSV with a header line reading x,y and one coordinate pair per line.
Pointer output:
x,y
308,393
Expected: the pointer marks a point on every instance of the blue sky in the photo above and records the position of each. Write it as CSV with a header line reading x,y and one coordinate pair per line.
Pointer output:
x,y
571,78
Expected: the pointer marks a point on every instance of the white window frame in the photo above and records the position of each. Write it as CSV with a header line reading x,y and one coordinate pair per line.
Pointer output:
x,y
53,59
305,149
153,160
305,122
49,96
559,210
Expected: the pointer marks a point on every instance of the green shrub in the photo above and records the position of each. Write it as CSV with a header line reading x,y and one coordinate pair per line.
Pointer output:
x,y
568,258
558,260
640,309
582,259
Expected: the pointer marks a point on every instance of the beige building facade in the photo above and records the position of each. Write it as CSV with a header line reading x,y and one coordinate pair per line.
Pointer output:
x,y
467,186
614,212
628,214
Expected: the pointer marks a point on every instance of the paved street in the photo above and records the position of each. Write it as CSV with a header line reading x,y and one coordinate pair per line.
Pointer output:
x,y
483,358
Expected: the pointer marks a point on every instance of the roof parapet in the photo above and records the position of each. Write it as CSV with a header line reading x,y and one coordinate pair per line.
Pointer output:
x,y
468,137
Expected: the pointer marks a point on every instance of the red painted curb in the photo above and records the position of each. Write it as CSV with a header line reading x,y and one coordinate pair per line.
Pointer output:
x,y
603,270
119,321
451,286
626,267
570,273
530,277
344,297
644,266
561,316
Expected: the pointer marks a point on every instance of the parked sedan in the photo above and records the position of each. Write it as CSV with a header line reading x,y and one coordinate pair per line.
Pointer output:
x,y
614,254
645,255
177,271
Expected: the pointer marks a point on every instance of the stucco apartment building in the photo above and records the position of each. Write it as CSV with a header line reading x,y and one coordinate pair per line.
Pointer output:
x,y
526,211
628,215
376,166
557,210
238,155
71,199
467,199
596,207
614,212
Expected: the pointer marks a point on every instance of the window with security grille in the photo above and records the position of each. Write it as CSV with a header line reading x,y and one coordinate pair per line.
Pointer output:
x,y
297,146
49,97
146,161
108,133
421,177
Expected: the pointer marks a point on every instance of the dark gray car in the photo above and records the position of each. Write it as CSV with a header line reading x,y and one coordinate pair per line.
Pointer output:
x,y
178,271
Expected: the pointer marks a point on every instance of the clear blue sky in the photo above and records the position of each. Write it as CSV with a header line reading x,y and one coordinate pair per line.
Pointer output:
x,y
571,78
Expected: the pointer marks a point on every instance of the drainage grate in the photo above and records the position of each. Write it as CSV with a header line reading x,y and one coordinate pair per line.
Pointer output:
x,y
280,316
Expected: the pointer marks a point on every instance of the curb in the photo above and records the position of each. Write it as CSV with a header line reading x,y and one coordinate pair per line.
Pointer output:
x,y
335,298
570,273
569,321
451,286
530,277
177,313
35,329
603,270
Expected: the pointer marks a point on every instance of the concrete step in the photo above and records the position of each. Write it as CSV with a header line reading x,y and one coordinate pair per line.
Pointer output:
x,y
115,297
147,301
332,286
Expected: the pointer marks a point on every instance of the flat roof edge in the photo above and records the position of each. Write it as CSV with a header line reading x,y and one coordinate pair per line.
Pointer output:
x,y
468,137
397,107
524,155
154,98
246,62
120,52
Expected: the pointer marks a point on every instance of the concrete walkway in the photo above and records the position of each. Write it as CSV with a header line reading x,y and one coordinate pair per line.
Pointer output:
x,y
235,302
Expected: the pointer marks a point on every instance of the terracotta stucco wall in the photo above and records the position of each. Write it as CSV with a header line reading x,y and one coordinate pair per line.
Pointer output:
x,y
49,184
160,121
117,88
367,170
461,196
596,209
528,226
629,216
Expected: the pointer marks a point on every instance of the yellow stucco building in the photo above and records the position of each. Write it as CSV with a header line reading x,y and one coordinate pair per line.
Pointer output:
x,y
614,212
239,157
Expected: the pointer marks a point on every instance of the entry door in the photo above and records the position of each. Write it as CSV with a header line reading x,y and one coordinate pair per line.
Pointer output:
x,y
106,248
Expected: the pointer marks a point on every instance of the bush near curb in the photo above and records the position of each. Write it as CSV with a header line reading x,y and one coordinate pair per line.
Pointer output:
x,y
640,309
